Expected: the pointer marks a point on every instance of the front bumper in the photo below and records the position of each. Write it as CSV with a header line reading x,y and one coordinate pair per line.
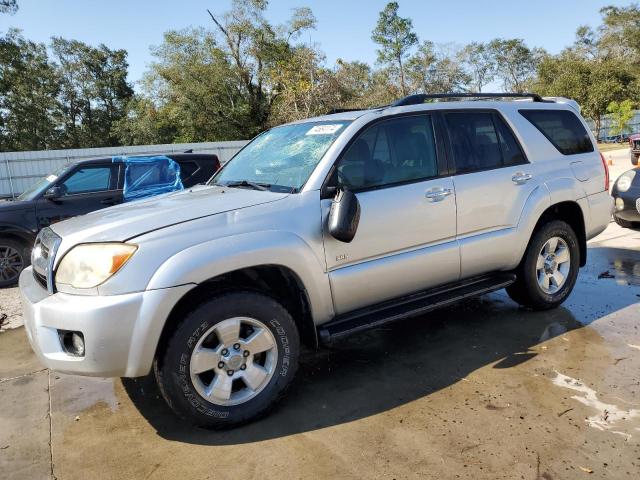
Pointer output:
x,y
631,210
121,332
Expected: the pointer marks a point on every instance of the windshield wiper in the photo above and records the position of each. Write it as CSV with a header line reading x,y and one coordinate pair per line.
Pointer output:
x,y
246,183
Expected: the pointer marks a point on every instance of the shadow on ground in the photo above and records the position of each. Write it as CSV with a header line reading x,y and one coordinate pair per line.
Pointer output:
x,y
376,371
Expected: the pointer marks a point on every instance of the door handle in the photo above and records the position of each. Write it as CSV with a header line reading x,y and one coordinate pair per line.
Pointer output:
x,y
520,178
437,194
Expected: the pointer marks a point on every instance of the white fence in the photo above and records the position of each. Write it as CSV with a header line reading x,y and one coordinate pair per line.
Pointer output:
x,y
18,170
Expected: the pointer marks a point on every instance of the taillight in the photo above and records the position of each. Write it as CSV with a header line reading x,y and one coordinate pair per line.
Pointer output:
x,y
606,172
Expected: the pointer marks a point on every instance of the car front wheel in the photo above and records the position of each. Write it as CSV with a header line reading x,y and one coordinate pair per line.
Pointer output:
x,y
13,259
549,268
229,361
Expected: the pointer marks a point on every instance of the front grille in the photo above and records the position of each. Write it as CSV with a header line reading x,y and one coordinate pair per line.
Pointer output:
x,y
636,144
43,256
41,279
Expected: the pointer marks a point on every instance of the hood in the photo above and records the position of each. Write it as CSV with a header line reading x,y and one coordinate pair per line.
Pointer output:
x,y
635,136
130,220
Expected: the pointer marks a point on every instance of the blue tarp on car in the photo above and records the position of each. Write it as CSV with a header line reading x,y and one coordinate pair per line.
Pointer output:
x,y
149,176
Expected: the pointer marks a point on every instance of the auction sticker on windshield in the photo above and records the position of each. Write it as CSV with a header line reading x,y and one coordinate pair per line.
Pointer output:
x,y
324,130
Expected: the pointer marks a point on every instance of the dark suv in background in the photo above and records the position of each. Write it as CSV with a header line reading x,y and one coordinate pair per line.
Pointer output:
x,y
76,189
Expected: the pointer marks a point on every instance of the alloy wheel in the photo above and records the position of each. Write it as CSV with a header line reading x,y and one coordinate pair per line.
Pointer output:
x,y
553,265
233,361
11,263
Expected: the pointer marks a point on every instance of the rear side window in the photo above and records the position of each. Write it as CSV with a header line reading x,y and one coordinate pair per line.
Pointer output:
x,y
481,141
562,128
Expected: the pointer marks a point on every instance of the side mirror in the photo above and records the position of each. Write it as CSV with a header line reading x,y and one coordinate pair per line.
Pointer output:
x,y
344,216
53,193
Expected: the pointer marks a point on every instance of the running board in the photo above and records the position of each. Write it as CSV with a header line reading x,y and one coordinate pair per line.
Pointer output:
x,y
411,305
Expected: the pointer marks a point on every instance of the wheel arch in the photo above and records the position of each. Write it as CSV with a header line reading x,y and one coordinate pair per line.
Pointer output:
x,y
570,212
276,281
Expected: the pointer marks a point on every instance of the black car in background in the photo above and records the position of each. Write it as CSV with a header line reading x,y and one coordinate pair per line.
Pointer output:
x,y
626,193
75,189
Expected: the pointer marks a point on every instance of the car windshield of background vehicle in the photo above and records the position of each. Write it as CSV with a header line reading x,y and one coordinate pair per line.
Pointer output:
x,y
41,185
281,159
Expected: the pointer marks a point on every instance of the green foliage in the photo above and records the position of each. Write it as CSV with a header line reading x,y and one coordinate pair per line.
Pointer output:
x,y
93,91
621,114
515,63
8,6
396,38
241,74
480,64
29,84
593,84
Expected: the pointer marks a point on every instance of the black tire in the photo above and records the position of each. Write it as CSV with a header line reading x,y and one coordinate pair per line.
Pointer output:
x,y
526,290
173,365
634,159
624,223
9,276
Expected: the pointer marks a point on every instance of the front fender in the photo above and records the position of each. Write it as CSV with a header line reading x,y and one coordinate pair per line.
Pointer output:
x,y
207,260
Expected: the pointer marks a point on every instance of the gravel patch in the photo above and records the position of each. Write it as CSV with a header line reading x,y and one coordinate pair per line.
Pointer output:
x,y
11,307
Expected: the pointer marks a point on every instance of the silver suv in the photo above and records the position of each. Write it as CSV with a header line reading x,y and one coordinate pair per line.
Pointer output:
x,y
315,230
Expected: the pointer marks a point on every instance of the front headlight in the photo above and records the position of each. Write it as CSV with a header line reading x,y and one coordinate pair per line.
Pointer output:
x,y
89,265
624,182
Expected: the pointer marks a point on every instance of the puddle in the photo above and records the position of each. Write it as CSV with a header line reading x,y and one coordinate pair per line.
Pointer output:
x,y
627,271
609,416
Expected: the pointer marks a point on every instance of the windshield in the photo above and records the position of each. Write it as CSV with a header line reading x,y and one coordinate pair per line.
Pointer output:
x,y
281,159
41,185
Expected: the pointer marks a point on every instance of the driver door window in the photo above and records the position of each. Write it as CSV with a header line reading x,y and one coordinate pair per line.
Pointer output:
x,y
88,180
392,152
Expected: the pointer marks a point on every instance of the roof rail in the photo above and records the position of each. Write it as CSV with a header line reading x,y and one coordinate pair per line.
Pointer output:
x,y
343,110
419,98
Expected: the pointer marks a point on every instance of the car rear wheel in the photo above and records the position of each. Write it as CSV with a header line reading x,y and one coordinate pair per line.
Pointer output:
x,y
634,159
549,269
229,361
13,259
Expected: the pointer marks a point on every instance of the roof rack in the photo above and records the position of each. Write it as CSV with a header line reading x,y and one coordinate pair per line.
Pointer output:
x,y
419,98
343,110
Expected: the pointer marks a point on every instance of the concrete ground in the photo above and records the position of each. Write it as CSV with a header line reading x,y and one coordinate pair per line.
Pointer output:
x,y
480,390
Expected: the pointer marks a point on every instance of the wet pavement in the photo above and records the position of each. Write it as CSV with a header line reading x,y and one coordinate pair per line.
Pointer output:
x,y
480,390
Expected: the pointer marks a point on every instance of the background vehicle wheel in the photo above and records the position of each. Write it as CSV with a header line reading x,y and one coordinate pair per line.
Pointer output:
x,y
229,361
549,269
624,223
13,259
634,159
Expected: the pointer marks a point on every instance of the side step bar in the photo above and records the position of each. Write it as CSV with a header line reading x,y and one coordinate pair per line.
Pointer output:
x,y
411,305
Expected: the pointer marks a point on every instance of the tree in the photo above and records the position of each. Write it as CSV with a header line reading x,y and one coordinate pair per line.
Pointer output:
x,y
252,47
593,84
621,114
619,34
29,110
478,60
94,91
436,70
8,6
396,38
515,63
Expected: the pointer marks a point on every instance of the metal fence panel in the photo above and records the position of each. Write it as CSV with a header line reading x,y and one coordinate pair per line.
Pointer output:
x,y
18,170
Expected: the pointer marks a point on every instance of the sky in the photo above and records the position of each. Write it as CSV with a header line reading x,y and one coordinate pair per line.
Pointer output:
x,y
343,30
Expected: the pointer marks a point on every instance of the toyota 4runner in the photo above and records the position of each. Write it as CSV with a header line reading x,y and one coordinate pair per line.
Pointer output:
x,y
318,229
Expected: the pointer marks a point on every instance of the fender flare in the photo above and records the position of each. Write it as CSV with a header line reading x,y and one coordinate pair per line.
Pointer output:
x,y
202,262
